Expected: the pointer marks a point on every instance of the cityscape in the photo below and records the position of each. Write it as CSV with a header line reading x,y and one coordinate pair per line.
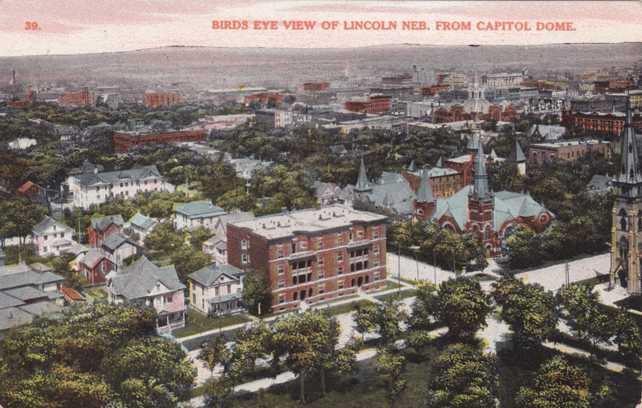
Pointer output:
x,y
392,226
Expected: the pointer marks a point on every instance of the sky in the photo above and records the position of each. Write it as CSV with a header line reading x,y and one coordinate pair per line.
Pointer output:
x,y
89,26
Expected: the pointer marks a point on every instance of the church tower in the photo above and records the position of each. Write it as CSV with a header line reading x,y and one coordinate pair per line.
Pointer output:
x,y
481,202
424,204
626,217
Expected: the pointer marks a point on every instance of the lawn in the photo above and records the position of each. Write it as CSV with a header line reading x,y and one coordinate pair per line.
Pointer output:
x,y
96,294
344,308
197,323
402,294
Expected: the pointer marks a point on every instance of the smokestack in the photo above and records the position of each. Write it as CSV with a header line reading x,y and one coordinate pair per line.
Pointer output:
x,y
13,77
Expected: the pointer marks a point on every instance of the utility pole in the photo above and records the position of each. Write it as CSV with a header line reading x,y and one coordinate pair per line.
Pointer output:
x,y
567,270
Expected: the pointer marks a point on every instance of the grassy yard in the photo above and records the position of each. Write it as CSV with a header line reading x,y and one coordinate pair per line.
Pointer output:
x,y
96,294
197,323
402,294
344,308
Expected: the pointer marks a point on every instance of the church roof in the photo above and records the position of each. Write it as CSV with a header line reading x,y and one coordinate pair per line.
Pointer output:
x,y
517,154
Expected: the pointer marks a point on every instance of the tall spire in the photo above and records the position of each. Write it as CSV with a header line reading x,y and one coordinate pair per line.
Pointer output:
x,y
362,182
480,187
440,162
517,153
424,193
630,170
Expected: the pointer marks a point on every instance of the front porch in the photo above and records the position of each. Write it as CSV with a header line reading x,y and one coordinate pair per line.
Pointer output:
x,y
168,322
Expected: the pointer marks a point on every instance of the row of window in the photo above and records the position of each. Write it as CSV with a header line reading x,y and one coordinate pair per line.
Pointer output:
x,y
317,242
61,235
126,184
341,284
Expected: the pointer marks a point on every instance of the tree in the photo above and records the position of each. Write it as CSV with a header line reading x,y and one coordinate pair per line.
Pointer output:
x,y
198,236
462,306
18,217
152,367
463,377
530,311
587,318
424,307
390,367
557,384
383,319
213,354
256,291
627,335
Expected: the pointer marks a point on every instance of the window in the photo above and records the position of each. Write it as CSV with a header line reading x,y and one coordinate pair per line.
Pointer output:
x,y
360,234
340,284
375,249
281,298
321,274
321,289
281,283
375,232
320,243
279,269
245,259
279,251
229,289
339,269
216,291
339,257
319,260
339,239
245,244
375,263
46,237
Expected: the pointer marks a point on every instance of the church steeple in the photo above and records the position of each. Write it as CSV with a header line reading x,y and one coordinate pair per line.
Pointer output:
x,y
629,179
363,184
480,186
424,193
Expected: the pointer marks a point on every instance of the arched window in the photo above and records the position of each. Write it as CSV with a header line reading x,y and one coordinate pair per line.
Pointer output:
x,y
487,233
623,224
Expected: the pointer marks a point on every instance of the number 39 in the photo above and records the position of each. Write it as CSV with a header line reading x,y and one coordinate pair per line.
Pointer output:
x,y
31,25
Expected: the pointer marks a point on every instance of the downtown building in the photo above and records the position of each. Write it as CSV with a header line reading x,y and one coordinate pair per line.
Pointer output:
x,y
312,255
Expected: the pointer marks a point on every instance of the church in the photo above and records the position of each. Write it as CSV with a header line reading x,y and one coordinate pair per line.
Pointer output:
x,y
474,208
626,217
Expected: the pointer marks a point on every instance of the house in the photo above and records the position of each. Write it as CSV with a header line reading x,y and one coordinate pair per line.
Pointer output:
x,y
120,248
102,227
139,226
196,214
147,284
216,246
52,237
27,292
34,193
71,295
93,188
216,289
95,265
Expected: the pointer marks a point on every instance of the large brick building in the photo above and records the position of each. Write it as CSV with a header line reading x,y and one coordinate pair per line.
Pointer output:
x,y
606,124
123,141
157,99
312,255
371,104
83,97
567,150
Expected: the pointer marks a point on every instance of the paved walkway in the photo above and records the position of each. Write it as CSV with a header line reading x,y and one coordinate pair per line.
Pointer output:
x,y
554,276
415,270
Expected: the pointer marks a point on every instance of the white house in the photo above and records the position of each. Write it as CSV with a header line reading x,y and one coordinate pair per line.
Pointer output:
x,y
216,289
196,214
140,226
120,248
147,284
52,237
92,188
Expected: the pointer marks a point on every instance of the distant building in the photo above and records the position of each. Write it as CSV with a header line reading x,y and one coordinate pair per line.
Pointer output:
x,y
22,143
157,99
312,255
549,133
216,246
145,283
124,141
140,226
95,188
567,150
95,265
215,290
196,214
370,104
83,97
503,80
120,248
277,118
316,86
600,123
267,98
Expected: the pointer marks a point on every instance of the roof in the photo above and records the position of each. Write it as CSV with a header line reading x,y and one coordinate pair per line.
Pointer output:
x,y
142,221
507,206
235,216
27,186
48,224
599,182
198,209
94,256
12,317
41,308
516,153
71,294
308,221
113,177
12,277
7,301
139,279
25,293
548,132
102,223
224,298
209,274
115,241
424,193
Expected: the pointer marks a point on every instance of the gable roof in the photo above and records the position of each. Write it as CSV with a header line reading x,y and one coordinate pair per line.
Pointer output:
x,y
209,274
196,209
26,293
94,256
113,177
102,223
7,301
142,221
15,276
48,223
140,278
115,241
